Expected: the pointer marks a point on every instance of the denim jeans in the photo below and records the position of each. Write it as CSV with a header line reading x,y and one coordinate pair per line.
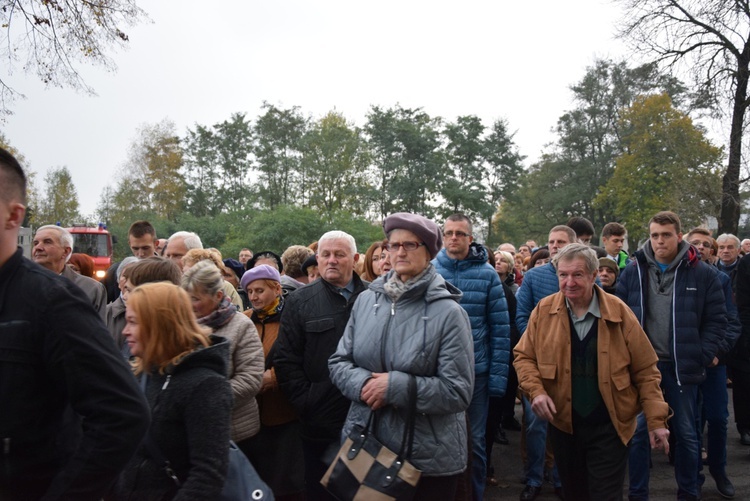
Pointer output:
x,y
536,445
480,402
715,412
683,400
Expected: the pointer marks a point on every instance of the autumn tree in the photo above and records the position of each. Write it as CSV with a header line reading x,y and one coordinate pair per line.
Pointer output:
x,y
52,38
710,39
667,164
60,203
152,183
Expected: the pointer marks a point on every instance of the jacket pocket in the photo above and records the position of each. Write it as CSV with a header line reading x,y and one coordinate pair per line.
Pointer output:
x,y
319,325
624,396
548,371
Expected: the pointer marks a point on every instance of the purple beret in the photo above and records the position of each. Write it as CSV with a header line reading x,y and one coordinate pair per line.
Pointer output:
x,y
427,231
260,272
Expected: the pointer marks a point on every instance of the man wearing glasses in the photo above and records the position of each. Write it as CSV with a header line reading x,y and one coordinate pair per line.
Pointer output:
x,y
463,263
713,391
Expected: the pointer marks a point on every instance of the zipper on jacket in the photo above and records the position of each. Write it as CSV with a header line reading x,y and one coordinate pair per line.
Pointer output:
x,y
674,326
166,383
432,428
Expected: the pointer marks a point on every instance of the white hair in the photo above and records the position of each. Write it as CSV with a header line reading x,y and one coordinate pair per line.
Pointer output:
x,y
124,264
339,235
63,236
728,236
191,240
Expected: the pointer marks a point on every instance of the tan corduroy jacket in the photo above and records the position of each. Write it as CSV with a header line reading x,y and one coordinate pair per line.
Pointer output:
x,y
628,376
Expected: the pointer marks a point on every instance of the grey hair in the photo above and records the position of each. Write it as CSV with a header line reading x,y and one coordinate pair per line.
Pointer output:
x,y
204,276
192,240
728,236
578,251
124,264
63,235
336,235
568,230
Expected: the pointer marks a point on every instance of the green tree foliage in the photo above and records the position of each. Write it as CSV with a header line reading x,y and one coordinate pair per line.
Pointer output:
x,y
60,203
52,38
278,153
667,164
407,160
711,40
334,163
217,163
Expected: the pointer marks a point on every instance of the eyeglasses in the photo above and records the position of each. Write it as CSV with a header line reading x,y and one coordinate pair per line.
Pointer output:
x,y
707,245
459,234
408,246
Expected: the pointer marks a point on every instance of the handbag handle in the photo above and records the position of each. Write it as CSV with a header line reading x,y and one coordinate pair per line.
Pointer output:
x,y
407,440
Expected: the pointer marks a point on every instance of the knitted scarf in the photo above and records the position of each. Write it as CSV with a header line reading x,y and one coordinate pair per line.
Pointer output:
x,y
220,316
395,288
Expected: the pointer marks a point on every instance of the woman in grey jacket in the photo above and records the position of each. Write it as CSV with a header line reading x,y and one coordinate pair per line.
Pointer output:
x,y
410,323
213,309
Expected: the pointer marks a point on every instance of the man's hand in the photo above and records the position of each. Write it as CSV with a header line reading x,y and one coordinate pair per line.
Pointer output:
x,y
714,362
659,439
544,407
374,390
267,382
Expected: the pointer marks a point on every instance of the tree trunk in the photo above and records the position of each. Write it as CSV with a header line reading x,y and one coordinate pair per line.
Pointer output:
x,y
730,189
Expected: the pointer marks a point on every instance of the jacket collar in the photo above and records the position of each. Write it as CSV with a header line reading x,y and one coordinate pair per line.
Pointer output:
x,y
607,305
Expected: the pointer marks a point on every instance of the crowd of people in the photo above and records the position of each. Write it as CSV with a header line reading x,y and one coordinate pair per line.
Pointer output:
x,y
133,388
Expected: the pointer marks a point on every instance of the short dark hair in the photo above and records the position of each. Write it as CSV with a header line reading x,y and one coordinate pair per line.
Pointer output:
x,y
666,217
154,269
580,225
458,217
615,229
12,179
141,228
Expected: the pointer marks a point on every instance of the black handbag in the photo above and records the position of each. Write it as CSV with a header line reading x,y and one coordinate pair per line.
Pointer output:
x,y
242,482
366,470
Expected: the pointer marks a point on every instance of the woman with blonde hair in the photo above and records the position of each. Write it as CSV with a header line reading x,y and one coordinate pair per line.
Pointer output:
x,y
195,256
183,373
203,283
504,265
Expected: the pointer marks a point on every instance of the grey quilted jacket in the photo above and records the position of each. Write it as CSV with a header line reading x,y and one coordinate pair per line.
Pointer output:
x,y
425,333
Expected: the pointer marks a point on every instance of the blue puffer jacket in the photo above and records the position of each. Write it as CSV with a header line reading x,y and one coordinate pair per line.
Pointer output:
x,y
538,283
484,301
699,314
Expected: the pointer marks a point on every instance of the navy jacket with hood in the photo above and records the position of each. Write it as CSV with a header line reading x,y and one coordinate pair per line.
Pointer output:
x,y
698,315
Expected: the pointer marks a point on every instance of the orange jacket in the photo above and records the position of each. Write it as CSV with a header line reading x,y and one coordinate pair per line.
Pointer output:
x,y
628,376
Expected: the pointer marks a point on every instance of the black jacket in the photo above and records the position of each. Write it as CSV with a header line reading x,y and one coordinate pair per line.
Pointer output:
x,y
740,356
191,405
312,322
71,412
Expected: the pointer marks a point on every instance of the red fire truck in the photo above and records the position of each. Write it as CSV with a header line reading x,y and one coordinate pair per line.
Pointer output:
x,y
95,242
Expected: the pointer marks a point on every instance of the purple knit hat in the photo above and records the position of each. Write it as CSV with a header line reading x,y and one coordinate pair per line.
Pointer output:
x,y
260,272
427,231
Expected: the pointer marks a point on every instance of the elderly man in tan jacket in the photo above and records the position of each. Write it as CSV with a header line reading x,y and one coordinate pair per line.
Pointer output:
x,y
588,368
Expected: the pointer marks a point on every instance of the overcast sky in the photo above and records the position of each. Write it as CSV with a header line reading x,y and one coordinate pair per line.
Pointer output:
x,y
199,62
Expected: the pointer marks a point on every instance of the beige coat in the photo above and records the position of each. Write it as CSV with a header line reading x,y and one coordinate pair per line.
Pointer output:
x,y
628,376
246,366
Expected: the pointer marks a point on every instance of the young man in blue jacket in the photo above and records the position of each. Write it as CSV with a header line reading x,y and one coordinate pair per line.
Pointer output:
x,y
680,303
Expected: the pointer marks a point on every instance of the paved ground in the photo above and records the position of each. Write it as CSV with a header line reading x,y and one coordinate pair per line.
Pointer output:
x,y
507,461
